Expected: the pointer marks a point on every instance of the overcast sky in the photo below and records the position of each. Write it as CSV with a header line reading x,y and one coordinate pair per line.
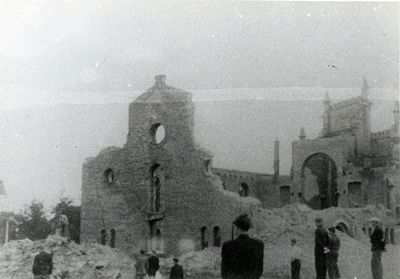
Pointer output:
x,y
120,45
109,51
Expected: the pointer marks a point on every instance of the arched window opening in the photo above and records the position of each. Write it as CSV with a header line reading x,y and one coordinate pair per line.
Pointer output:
x,y
207,167
204,240
217,237
109,176
397,211
343,228
112,238
155,196
103,237
284,194
159,242
244,190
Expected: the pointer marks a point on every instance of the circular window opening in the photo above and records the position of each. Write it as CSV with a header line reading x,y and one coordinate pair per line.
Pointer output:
x,y
109,176
158,133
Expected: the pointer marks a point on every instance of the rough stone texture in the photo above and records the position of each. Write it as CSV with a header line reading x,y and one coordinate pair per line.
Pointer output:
x,y
119,186
360,156
191,196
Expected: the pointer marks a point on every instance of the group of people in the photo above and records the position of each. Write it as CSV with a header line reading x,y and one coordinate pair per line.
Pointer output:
x,y
243,257
326,251
148,265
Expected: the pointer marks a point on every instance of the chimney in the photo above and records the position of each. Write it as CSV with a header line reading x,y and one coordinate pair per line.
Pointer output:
x,y
276,160
160,81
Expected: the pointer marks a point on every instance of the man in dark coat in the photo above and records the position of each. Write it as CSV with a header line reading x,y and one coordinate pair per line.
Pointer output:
x,y
377,247
333,254
42,265
242,258
153,264
321,248
176,270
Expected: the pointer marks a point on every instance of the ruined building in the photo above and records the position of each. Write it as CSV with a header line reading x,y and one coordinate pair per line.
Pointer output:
x,y
348,165
159,191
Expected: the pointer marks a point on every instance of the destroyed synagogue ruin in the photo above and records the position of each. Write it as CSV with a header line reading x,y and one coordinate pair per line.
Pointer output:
x,y
160,191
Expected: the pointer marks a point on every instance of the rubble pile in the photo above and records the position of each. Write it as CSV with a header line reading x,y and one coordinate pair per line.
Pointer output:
x,y
277,226
70,260
274,226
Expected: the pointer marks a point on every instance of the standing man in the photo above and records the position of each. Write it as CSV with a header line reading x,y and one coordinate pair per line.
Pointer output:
x,y
333,254
377,247
42,265
321,248
176,270
242,258
295,259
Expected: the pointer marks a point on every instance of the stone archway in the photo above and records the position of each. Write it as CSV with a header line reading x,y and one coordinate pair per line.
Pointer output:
x,y
319,180
341,226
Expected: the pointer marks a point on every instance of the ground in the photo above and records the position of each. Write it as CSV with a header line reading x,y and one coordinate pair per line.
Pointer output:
x,y
275,226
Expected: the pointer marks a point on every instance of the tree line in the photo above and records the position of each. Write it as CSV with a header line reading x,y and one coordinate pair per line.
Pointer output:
x,y
33,223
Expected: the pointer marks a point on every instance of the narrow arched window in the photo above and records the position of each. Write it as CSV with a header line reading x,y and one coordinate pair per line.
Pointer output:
x,y
103,237
244,189
217,237
112,238
204,241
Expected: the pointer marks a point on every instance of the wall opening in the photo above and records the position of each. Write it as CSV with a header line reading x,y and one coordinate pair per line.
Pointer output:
x,y
157,132
244,189
397,211
112,238
217,237
208,167
343,228
103,237
155,194
204,240
108,176
354,194
369,231
284,194
319,175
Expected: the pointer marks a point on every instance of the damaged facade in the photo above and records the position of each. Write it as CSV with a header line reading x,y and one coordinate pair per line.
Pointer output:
x,y
160,191
348,165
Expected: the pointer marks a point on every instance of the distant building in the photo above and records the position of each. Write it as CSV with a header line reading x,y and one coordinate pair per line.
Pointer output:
x,y
348,165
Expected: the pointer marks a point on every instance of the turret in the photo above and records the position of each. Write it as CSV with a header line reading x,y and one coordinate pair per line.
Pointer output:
x,y
326,116
302,135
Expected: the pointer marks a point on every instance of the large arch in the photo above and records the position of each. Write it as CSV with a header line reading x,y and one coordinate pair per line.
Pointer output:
x,y
319,179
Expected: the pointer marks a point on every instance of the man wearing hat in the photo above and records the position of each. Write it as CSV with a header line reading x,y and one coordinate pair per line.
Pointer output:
x,y
176,270
321,248
377,247
243,257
